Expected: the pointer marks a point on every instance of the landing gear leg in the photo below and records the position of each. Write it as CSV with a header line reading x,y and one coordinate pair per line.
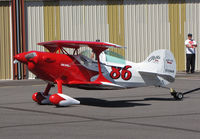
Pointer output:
x,y
176,95
48,87
61,100
59,84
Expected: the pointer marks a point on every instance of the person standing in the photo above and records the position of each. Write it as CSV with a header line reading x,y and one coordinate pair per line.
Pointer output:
x,y
190,54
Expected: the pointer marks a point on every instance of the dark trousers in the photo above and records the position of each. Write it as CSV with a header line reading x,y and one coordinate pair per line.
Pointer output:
x,y
190,62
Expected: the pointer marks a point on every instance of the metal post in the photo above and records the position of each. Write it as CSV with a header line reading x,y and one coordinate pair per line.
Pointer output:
x,y
18,39
23,38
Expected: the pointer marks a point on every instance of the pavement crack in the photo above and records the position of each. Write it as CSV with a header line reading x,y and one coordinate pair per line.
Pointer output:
x,y
156,116
41,124
52,113
159,126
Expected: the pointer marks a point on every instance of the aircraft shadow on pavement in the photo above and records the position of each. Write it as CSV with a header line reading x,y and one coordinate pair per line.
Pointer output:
x,y
109,103
125,103
119,103
158,99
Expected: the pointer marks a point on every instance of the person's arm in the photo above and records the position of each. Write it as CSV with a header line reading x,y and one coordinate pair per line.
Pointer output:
x,y
187,44
92,55
194,44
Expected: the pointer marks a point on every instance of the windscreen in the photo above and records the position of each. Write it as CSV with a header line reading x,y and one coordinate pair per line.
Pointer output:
x,y
114,57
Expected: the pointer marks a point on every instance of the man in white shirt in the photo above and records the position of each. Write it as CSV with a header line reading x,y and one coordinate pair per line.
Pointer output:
x,y
190,53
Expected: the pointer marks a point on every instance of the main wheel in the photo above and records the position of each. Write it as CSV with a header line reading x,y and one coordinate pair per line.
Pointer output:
x,y
40,98
178,96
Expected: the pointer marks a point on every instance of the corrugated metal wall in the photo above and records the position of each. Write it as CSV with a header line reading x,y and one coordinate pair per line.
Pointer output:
x,y
177,17
146,28
5,41
84,20
141,26
51,21
34,16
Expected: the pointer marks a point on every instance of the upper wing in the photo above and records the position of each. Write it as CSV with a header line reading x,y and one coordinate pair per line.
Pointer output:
x,y
53,46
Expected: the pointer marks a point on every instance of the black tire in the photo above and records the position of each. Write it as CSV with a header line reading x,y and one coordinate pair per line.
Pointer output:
x,y
179,96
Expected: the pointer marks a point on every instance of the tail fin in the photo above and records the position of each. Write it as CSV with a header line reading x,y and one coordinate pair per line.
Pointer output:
x,y
159,68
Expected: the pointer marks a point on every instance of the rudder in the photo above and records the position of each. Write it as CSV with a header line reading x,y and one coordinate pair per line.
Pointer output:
x,y
161,64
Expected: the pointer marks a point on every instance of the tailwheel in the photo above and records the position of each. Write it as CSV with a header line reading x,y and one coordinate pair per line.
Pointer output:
x,y
176,95
179,96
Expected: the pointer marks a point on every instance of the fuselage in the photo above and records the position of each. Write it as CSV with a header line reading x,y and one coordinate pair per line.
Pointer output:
x,y
108,70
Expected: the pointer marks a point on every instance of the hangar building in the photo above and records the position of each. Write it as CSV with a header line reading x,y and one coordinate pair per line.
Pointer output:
x,y
141,25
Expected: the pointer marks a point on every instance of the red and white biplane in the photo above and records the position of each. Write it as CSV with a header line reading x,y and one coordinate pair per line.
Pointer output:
x,y
107,71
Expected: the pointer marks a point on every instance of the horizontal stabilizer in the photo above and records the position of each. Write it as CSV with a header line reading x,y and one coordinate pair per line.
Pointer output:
x,y
156,79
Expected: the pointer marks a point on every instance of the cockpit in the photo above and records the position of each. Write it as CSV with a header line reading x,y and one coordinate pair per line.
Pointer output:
x,y
87,57
106,57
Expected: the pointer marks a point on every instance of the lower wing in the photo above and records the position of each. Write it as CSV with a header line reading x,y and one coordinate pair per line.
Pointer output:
x,y
94,85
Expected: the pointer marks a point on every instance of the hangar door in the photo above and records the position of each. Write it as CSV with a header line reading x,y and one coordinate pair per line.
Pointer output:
x,y
5,41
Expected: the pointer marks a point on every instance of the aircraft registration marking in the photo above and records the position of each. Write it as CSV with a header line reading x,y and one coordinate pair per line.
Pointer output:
x,y
65,65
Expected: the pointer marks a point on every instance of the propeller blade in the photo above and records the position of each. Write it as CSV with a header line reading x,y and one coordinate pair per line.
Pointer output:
x,y
15,61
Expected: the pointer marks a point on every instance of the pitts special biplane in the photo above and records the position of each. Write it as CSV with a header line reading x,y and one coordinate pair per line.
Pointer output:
x,y
105,72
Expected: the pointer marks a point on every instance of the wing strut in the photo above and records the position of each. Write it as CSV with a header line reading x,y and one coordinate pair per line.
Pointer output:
x,y
100,78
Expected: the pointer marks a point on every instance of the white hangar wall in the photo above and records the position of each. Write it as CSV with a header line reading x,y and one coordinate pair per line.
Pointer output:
x,y
146,28
6,69
141,26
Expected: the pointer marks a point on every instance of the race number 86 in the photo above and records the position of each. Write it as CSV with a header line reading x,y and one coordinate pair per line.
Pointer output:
x,y
125,73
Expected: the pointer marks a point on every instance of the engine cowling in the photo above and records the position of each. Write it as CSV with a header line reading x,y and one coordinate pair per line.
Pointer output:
x,y
40,98
62,100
